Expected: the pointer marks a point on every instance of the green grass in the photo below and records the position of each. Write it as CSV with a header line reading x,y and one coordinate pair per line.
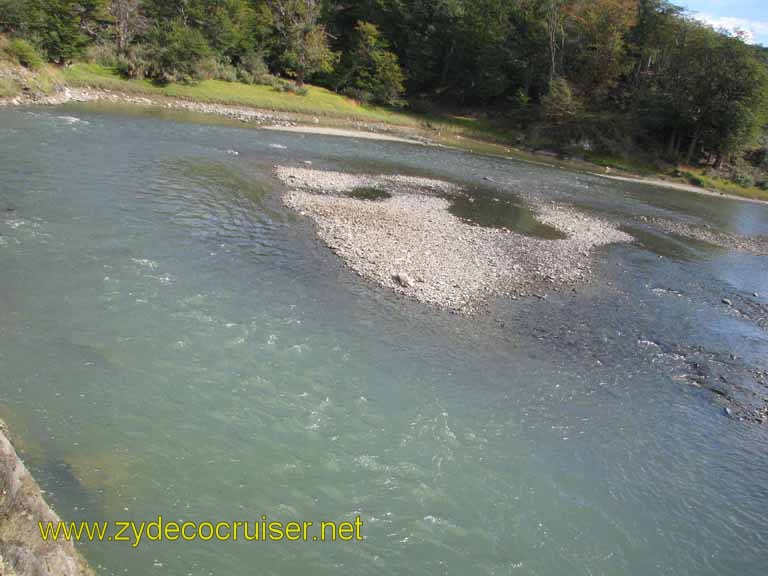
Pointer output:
x,y
8,88
473,134
698,178
24,53
317,101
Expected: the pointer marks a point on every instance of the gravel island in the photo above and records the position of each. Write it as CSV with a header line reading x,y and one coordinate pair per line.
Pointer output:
x,y
405,238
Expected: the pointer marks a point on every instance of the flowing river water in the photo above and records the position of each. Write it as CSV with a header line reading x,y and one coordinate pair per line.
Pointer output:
x,y
174,341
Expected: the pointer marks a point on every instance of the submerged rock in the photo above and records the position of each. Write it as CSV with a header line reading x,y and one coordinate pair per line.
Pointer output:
x,y
22,550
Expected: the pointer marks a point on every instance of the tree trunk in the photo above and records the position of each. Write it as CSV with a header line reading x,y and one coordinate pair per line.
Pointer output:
x,y
692,146
552,18
672,147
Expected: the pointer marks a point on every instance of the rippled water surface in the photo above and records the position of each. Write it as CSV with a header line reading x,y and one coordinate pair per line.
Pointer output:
x,y
173,341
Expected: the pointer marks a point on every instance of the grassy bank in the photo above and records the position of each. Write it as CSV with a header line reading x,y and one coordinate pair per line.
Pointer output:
x,y
23,70
468,133
317,101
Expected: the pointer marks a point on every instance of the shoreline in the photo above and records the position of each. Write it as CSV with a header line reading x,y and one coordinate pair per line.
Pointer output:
x,y
301,123
679,186
22,550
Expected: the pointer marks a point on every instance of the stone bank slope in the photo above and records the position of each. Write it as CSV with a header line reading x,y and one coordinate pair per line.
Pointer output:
x,y
22,550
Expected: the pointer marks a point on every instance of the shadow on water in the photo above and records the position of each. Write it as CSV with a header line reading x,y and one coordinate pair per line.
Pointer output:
x,y
368,193
483,208
54,472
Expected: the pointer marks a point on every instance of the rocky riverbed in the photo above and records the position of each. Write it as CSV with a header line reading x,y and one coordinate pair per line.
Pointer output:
x,y
398,232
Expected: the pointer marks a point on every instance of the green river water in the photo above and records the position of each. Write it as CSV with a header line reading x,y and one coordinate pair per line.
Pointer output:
x,y
173,341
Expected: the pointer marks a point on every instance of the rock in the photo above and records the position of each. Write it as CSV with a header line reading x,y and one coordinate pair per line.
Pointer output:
x,y
755,294
307,162
403,279
727,302
728,411
21,508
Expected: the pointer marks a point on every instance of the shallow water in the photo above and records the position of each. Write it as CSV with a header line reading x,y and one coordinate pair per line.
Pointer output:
x,y
173,341
492,209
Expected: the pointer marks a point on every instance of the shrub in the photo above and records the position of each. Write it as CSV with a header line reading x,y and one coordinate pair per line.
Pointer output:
x,y
743,180
175,51
134,64
8,88
253,69
560,107
103,54
24,53
358,94
562,112
763,185
282,85
695,180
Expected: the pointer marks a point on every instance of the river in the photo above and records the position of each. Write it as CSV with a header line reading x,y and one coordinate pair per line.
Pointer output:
x,y
175,342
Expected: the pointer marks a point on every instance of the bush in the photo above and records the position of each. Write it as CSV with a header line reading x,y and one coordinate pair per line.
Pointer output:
x,y
743,180
210,68
763,185
8,88
695,180
362,96
134,64
175,51
253,69
24,53
103,54
282,85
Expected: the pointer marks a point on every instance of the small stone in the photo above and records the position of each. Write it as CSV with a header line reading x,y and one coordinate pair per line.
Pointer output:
x,y
403,279
755,294
727,302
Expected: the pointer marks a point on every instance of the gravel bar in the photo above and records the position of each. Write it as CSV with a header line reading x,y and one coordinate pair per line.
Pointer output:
x,y
412,244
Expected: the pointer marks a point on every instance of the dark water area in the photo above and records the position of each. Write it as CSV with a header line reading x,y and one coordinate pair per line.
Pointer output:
x,y
492,210
174,341
368,193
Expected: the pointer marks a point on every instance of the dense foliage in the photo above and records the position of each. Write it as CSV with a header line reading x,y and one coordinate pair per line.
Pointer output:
x,y
595,74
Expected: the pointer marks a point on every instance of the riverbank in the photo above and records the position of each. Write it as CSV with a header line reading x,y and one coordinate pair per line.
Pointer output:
x,y
22,551
320,112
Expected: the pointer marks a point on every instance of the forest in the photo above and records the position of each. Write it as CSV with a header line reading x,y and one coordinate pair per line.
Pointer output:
x,y
608,76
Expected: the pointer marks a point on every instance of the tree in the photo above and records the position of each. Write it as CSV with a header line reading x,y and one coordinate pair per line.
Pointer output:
x,y
302,42
369,68
128,22
597,46
175,51
561,110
